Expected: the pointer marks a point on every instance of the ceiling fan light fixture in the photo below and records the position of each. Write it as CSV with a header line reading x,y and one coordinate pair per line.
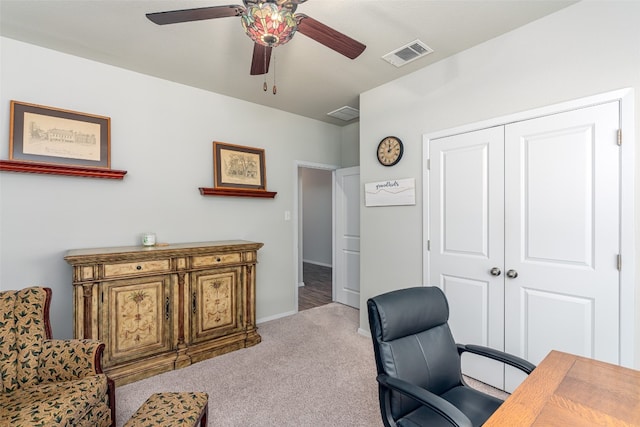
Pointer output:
x,y
269,24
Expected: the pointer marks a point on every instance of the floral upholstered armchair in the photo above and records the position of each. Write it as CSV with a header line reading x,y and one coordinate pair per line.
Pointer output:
x,y
45,382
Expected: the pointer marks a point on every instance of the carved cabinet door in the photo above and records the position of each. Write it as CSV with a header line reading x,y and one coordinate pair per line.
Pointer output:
x,y
136,318
216,303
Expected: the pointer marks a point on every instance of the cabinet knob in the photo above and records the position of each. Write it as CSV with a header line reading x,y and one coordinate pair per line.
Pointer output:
x,y
495,271
139,267
218,259
512,274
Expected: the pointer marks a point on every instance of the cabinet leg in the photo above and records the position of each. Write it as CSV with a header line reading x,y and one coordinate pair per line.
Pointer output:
x,y
182,359
253,338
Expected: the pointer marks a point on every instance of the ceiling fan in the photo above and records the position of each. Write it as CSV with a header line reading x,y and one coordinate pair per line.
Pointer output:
x,y
269,23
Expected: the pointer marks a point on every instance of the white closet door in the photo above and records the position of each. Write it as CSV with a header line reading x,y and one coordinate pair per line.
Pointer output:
x,y
466,226
562,198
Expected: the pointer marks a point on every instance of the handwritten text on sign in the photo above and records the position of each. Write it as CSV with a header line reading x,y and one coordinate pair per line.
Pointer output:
x,y
394,192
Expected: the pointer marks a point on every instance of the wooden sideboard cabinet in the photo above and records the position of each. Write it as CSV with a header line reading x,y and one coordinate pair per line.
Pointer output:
x,y
165,307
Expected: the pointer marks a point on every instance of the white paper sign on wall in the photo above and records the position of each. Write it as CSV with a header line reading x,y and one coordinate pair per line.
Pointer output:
x,y
394,192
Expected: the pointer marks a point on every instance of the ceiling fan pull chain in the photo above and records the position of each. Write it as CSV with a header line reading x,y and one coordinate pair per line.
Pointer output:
x,y
264,85
275,89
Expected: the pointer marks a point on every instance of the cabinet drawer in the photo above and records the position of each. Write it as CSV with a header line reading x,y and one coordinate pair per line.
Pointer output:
x,y
129,268
218,259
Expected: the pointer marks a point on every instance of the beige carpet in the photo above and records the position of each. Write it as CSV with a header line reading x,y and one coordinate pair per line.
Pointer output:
x,y
311,369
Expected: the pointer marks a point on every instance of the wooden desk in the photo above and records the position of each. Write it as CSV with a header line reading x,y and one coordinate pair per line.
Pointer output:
x,y
568,390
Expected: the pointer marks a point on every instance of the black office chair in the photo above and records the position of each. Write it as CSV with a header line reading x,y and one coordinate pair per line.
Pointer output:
x,y
419,377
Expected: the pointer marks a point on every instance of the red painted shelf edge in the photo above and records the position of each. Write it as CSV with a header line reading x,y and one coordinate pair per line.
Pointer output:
x,y
17,166
237,193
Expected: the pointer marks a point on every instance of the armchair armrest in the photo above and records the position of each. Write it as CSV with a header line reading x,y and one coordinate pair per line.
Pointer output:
x,y
515,361
65,360
440,406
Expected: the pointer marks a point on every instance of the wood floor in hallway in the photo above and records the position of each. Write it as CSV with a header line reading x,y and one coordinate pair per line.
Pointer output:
x,y
317,286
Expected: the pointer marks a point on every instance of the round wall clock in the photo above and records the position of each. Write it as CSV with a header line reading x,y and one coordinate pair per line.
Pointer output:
x,y
390,151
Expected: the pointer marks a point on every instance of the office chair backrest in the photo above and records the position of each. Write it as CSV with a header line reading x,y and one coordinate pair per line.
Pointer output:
x,y
412,341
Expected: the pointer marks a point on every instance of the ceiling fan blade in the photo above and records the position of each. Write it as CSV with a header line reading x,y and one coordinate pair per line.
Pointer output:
x,y
261,59
198,14
329,37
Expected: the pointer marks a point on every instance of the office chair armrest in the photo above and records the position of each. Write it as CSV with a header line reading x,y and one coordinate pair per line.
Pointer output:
x,y
426,398
515,361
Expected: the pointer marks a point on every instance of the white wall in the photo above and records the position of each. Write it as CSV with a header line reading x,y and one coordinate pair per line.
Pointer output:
x,y
317,201
161,133
588,48
350,153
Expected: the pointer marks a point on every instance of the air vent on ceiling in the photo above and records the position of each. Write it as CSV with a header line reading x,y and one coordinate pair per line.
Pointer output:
x,y
407,53
345,113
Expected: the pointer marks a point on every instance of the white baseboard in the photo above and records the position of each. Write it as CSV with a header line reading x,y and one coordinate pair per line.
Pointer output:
x,y
275,316
322,264
364,332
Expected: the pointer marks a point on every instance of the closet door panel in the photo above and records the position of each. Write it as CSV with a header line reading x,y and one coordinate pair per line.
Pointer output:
x,y
540,200
562,234
466,239
557,195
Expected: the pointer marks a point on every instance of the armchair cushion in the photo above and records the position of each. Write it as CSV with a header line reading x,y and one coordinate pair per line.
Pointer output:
x,y
66,360
22,331
67,403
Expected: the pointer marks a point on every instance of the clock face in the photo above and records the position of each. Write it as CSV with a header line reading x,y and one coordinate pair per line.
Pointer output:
x,y
390,151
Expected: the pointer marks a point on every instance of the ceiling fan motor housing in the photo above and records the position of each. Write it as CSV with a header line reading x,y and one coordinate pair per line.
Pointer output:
x,y
289,4
269,24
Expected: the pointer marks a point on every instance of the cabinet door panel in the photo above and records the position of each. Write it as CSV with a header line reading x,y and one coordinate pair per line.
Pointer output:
x,y
215,303
137,319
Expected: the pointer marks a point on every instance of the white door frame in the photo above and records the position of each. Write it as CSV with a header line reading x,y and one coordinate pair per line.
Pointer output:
x,y
628,320
296,224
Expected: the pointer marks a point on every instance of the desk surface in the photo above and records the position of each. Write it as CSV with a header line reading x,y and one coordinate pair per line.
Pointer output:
x,y
569,390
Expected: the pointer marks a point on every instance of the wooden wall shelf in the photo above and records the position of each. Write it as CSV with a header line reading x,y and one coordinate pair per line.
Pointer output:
x,y
237,193
89,172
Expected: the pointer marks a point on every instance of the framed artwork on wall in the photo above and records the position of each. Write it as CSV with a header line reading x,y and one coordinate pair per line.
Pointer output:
x,y
238,167
61,137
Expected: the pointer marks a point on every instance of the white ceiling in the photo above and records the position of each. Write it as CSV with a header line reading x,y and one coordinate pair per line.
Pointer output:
x,y
215,55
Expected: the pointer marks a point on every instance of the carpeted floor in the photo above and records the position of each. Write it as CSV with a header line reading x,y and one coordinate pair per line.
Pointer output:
x,y
311,369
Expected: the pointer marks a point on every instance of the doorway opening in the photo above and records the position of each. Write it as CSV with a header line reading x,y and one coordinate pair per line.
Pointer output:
x,y
314,241
317,289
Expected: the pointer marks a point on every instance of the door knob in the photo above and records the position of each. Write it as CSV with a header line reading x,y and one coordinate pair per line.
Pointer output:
x,y
495,271
512,274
